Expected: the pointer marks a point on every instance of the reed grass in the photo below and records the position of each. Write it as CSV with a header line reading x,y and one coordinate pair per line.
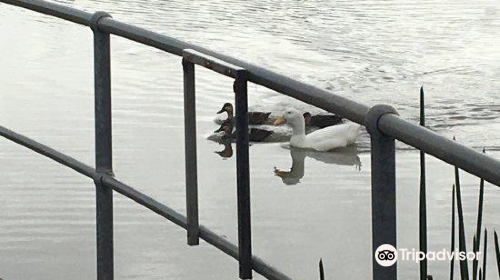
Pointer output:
x,y
485,249
475,261
477,237
464,269
478,272
497,250
452,261
321,270
423,199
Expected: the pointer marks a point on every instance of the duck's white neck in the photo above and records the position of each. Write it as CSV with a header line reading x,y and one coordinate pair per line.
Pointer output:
x,y
298,134
299,128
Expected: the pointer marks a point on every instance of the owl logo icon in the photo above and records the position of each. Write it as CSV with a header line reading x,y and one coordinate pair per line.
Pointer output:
x,y
386,255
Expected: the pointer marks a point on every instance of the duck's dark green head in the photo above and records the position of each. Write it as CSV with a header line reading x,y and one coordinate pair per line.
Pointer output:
x,y
227,107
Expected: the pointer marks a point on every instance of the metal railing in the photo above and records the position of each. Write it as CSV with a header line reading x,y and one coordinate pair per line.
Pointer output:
x,y
381,121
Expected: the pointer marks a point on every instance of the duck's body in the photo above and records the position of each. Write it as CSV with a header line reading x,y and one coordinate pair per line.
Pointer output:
x,y
254,118
254,134
328,138
258,135
258,118
325,139
321,121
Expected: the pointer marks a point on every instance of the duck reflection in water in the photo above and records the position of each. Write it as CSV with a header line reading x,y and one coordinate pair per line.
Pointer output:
x,y
229,134
225,135
228,148
343,156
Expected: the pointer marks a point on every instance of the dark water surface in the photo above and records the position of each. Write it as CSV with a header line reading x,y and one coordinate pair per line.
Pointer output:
x,y
370,51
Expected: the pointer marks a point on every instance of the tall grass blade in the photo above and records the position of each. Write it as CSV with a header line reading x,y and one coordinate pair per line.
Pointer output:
x,y
497,250
422,203
452,267
485,253
464,269
321,270
474,261
477,240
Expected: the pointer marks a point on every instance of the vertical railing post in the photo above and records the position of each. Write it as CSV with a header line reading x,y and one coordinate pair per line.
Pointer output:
x,y
190,153
103,149
383,180
243,175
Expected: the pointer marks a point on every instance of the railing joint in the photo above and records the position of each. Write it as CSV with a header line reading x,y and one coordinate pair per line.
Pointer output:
x,y
211,63
96,18
100,175
373,116
186,61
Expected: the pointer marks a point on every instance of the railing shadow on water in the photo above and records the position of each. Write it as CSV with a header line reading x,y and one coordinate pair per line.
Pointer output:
x,y
382,123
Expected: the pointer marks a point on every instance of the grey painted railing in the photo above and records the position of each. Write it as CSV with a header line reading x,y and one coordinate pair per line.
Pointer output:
x,y
381,121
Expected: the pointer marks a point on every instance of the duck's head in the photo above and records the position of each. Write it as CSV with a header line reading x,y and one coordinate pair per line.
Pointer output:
x,y
227,107
291,116
226,126
307,118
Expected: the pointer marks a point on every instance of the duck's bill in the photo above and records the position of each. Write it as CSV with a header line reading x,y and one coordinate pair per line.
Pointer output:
x,y
219,130
279,120
223,109
281,174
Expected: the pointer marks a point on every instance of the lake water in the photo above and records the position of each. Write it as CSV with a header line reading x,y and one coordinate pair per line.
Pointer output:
x,y
369,51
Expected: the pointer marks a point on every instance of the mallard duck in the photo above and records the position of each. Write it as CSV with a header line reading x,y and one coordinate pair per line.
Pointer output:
x,y
324,139
254,118
321,121
254,134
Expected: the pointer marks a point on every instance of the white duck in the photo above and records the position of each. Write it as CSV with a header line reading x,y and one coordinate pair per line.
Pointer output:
x,y
325,139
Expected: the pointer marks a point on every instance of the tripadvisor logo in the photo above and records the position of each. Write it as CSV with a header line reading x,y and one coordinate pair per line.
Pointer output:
x,y
387,255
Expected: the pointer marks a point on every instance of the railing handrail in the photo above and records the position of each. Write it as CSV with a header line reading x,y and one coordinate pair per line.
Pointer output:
x,y
418,137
